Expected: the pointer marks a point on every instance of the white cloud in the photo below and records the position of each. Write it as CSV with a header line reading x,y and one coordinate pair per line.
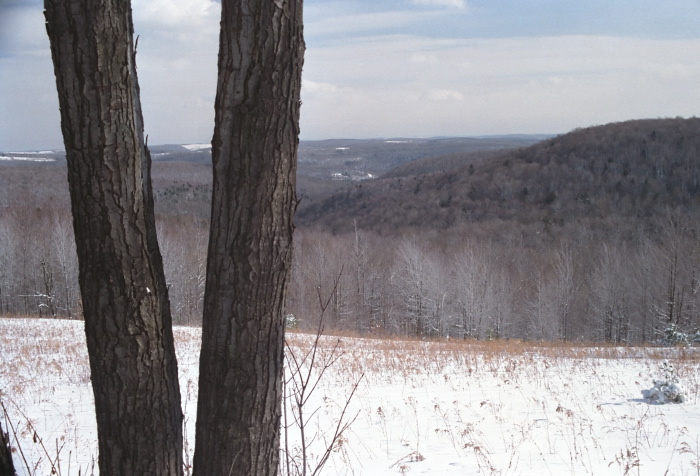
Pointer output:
x,y
442,3
176,13
177,61
444,95
316,88
404,86
362,78
424,58
339,25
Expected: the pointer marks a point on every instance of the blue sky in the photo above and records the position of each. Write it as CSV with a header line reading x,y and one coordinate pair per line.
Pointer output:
x,y
394,68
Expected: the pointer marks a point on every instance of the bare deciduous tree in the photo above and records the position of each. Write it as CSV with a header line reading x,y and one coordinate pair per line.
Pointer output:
x,y
126,307
254,153
125,299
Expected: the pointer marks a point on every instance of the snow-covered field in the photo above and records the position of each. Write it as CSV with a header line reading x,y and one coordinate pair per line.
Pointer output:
x,y
442,408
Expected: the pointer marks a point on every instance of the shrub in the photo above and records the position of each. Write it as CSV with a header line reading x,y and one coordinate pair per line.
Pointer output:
x,y
667,389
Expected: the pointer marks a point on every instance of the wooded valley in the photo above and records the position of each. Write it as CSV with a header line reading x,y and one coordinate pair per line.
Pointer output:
x,y
592,235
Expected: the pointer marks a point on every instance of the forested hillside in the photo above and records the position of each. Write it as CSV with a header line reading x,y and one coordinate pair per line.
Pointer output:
x,y
619,172
592,235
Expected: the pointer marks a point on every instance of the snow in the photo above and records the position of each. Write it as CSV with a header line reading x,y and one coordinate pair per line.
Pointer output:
x,y
195,147
441,408
26,159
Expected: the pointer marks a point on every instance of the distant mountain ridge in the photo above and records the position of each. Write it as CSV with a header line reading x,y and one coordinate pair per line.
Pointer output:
x,y
182,173
612,175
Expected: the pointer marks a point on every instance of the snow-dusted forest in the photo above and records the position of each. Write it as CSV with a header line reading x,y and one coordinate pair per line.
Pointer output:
x,y
624,289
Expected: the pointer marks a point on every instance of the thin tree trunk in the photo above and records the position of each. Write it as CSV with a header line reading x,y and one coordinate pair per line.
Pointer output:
x,y
254,152
125,300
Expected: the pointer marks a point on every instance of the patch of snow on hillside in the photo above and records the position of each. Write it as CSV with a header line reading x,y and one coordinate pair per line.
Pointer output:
x,y
196,147
26,159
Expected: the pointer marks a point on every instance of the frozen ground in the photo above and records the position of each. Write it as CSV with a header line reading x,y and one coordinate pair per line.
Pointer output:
x,y
442,408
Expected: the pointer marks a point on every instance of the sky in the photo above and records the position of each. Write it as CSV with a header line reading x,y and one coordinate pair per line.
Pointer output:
x,y
393,68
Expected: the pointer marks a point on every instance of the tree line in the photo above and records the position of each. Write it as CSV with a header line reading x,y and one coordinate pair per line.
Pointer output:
x,y
624,289
620,288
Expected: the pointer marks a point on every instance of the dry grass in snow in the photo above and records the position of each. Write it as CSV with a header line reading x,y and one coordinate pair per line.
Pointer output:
x,y
448,407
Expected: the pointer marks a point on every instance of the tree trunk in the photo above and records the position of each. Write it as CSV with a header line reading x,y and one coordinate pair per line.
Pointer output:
x,y
254,152
7,467
125,300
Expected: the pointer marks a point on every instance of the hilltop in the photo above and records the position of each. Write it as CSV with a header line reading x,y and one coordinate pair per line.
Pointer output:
x,y
620,172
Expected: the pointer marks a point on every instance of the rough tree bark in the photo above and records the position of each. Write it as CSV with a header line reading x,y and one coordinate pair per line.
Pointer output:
x,y
125,300
254,153
7,467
